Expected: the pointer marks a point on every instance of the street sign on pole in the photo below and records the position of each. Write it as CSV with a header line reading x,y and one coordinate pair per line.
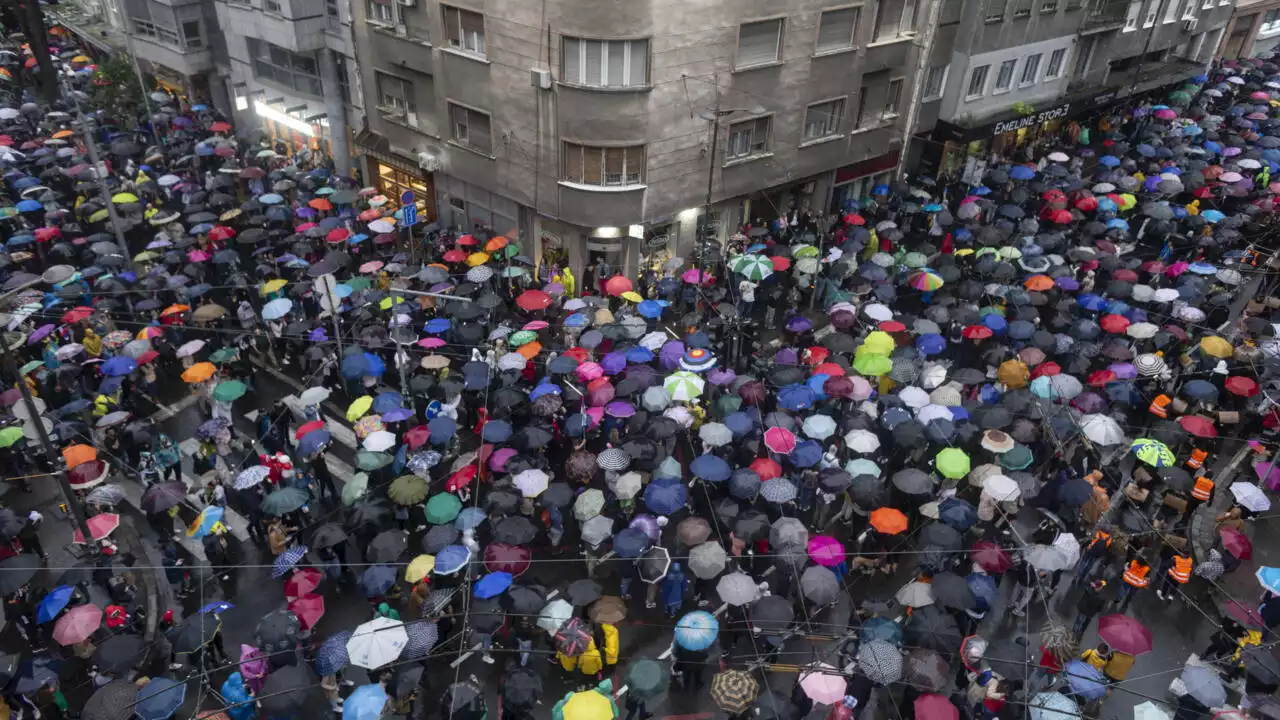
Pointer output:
x,y
408,210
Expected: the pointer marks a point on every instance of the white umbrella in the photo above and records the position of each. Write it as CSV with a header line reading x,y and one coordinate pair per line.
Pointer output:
x,y
655,340
715,434
915,594
512,361
1166,295
377,643
933,411
1250,496
878,312
1070,546
555,614
1048,558
531,482
625,486
932,376
314,396
947,395
190,348
379,440
1142,330
862,441
1149,711
381,226
655,399
913,397
819,427
1102,429
1002,488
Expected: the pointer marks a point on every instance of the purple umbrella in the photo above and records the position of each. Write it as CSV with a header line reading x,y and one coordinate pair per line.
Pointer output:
x,y
670,354
786,356
1268,473
397,414
721,376
305,212
614,363
648,525
253,666
1067,283
318,335
553,289
40,333
799,323
500,457
1124,371
619,409
1089,402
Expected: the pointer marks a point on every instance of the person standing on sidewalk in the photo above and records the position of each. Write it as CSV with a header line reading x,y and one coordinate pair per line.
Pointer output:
x,y
1137,575
29,535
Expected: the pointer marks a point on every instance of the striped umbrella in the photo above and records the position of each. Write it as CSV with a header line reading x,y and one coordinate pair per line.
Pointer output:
x,y
734,691
924,281
754,267
287,559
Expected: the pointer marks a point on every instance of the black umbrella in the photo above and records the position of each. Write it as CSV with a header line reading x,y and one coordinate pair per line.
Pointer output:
x,y
328,535
486,615
17,571
194,633
772,614
515,530
521,688
286,689
932,628
277,631
524,599
438,538
119,654
34,673
387,546
113,701
583,592
951,590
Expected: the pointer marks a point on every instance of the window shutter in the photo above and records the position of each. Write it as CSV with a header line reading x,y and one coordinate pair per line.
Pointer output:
x,y
573,162
889,14
594,60
593,161
480,136
572,61
836,30
639,63
758,43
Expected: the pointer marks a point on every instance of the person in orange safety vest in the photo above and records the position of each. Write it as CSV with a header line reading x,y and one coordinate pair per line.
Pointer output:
x,y
1201,492
1178,572
1137,575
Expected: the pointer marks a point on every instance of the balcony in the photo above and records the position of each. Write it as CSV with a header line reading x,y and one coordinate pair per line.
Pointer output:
x,y
172,53
302,31
1105,15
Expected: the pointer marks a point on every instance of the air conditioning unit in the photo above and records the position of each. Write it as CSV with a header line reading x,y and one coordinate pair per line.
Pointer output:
x,y
1190,25
540,78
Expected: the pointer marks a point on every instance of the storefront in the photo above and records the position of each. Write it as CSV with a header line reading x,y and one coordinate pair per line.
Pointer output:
x,y
392,177
854,182
296,129
473,209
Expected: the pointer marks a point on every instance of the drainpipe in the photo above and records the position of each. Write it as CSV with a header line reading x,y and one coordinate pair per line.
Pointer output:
x,y
917,84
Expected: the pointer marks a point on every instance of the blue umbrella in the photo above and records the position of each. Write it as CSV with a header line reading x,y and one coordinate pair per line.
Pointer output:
x,y
576,425
354,366
745,484
29,206
470,518
740,423
216,607
997,323
287,559
807,453
711,468
210,516
697,630
271,199
119,366
387,401
496,431
631,543
795,397
815,383
880,628
160,699
313,442
930,344
437,326
53,603
492,585
983,587
110,385
377,579
332,655
544,388
1085,680
639,355
1109,161
1091,302
451,559
665,497
957,513
376,366
365,703
442,429
1021,172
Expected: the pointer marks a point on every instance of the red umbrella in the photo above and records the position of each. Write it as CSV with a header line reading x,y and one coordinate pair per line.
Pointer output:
x,y
76,314
977,332
779,440
1061,217
534,300
1244,615
302,582
309,609
580,354
308,427
467,240
617,285
1242,386
501,557
100,526
147,357
455,256
840,387
461,478
1125,634
221,232
766,468
416,436
220,127
1100,378
77,624
338,235
892,326
753,392
933,706
1114,323
855,219
1125,274
1054,195
1198,425
780,263
991,557
1048,369
829,368
1088,204
1236,543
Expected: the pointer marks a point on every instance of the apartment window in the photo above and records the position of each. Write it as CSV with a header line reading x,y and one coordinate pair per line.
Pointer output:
x,y
977,82
892,98
908,17
155,31
823,119
465,29
1188,9
1170,10
1049,6
1075,4
1004,75
759,43
297,71
935,82
605,63
1055,64
1207,4
860,116
1022,8
331,9
380,12
1083,56
836,30
749,137
893,20
344,81
271,6
1131,17
395,96
471,128
1031,69
993,10
191,34
1152,8
603,166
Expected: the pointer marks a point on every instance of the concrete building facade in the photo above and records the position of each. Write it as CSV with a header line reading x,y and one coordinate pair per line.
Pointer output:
x,y
1254,30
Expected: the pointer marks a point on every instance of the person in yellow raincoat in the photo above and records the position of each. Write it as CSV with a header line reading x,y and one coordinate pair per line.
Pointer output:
x,y
92,343
568,281
590,662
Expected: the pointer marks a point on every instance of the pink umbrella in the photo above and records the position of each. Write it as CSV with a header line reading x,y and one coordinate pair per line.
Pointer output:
x,y
197,256
1268,474
100,526
1177,268
826,550
371,266
77,624
253,667
596,414
824,684
589,371
693,276
536,325
431,343
1166,114
861,388
600,395
780,440
498,461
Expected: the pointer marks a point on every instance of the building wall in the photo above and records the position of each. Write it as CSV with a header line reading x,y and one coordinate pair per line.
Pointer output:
x,y
1254,29
958,104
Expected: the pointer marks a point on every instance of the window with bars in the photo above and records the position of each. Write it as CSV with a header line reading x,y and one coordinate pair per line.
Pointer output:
x,y
759,43
464,29
602,166
823,119
395,95
977,82
1048,6
836,29
934,83
749,137
1031,69
605,63
471,128
1054,70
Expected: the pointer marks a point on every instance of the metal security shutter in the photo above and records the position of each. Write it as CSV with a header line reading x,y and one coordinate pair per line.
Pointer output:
x,y
836,30
758,42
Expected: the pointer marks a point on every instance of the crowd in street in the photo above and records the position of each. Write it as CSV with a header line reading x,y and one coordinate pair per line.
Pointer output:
x,y
879,442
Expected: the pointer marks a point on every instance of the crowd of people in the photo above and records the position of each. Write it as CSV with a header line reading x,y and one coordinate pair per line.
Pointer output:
x,y
880,442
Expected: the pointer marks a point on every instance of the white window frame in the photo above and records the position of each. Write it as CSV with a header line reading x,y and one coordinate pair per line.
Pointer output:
x,y
853,33
730,155
894,99
466,142
777,48
832,121
1208,4
600,154
1049,72
471,43
583,44
997,88
403,106
374,11
1170,12
1153,7
1031,63
926,96
1048,6
1132,15
1188,9
968,87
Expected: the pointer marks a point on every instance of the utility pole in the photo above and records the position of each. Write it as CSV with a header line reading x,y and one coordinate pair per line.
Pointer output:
x,y
33,19
58,463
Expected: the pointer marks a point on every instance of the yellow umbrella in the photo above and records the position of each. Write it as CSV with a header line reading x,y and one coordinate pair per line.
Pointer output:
x,y
98,216
384,303
1216,346
419,568
479,258
631,296
359,408
878,342
1127,201
145,256
272,286
588,705
1013,373
119,198
229,215
82,58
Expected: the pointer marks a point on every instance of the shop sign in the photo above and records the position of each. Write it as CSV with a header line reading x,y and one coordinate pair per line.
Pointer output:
x,y
551,240
657,242
1033,119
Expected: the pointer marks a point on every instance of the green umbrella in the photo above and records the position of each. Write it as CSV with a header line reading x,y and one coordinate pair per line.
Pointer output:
x,y
229,390
952,463
753,267
510,251
32,365
443,508
524,337
513,271
358,283
804,251
366,460
225,354
355,489
871,364
1179,98
990,310
408,490
1016,459
915,260
9,436
647,679
727,405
